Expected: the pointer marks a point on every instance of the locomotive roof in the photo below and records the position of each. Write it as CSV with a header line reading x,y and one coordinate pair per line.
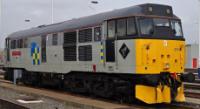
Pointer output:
x,y
90,20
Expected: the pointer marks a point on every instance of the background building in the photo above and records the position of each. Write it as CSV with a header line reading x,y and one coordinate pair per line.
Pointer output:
x,y
192,56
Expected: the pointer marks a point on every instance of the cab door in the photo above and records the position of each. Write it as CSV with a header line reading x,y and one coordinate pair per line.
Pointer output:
x,y
110,45
43,48
117,46
110,51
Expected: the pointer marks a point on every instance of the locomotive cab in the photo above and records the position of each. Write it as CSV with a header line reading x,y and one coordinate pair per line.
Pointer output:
x,y
150,46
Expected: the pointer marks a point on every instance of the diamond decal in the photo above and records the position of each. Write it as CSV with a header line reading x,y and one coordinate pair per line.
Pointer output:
x,y
124,50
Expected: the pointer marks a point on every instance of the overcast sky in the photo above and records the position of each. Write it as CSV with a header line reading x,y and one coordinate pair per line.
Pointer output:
x,y
14,12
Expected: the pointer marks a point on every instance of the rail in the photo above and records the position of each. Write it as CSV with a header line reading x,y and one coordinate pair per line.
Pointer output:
x,y
4,104
65,96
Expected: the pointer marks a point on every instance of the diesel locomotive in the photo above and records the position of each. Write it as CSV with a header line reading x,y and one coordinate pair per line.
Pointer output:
x,y
135,53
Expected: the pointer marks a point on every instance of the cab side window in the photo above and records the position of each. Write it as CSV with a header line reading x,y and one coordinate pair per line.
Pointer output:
x,y
97,34
124,28
111,29
121,27
131,26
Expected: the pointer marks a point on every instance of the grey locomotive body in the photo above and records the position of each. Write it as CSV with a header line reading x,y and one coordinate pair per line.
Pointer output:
x,y
95,54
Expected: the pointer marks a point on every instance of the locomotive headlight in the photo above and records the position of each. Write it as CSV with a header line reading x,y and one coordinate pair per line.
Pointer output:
x,y
166,66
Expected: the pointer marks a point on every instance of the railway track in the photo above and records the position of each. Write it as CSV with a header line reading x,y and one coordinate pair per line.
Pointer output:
x,y
195,86
197,81
193,95
61,95
192,90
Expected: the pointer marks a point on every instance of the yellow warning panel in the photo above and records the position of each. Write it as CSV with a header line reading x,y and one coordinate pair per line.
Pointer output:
x,y
154,56
180,94
152,95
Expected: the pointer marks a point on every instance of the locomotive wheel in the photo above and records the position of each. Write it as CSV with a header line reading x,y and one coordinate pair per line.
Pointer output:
x,y
100,85
103,87
75,84
96,85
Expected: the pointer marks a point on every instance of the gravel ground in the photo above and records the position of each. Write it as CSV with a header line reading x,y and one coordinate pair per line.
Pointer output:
x,y
64,102
67,100
47,103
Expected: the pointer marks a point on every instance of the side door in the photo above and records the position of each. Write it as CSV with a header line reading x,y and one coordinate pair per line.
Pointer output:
x,y
7,50
110,46
43,49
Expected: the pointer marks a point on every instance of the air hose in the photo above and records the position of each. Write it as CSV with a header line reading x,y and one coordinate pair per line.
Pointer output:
x,y
173,83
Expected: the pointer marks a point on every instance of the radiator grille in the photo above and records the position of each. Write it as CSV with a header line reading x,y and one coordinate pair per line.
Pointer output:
x,y
85,35
69,46
85,53
69,37
70,53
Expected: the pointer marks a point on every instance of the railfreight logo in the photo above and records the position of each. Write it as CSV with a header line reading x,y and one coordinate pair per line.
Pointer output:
x,y
35,53
124,51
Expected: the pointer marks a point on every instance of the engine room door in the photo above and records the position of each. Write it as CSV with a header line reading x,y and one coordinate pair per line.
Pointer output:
x,y
7,50
43,49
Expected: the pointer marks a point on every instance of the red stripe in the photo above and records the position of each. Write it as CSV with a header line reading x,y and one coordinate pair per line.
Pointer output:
x,y
16,53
